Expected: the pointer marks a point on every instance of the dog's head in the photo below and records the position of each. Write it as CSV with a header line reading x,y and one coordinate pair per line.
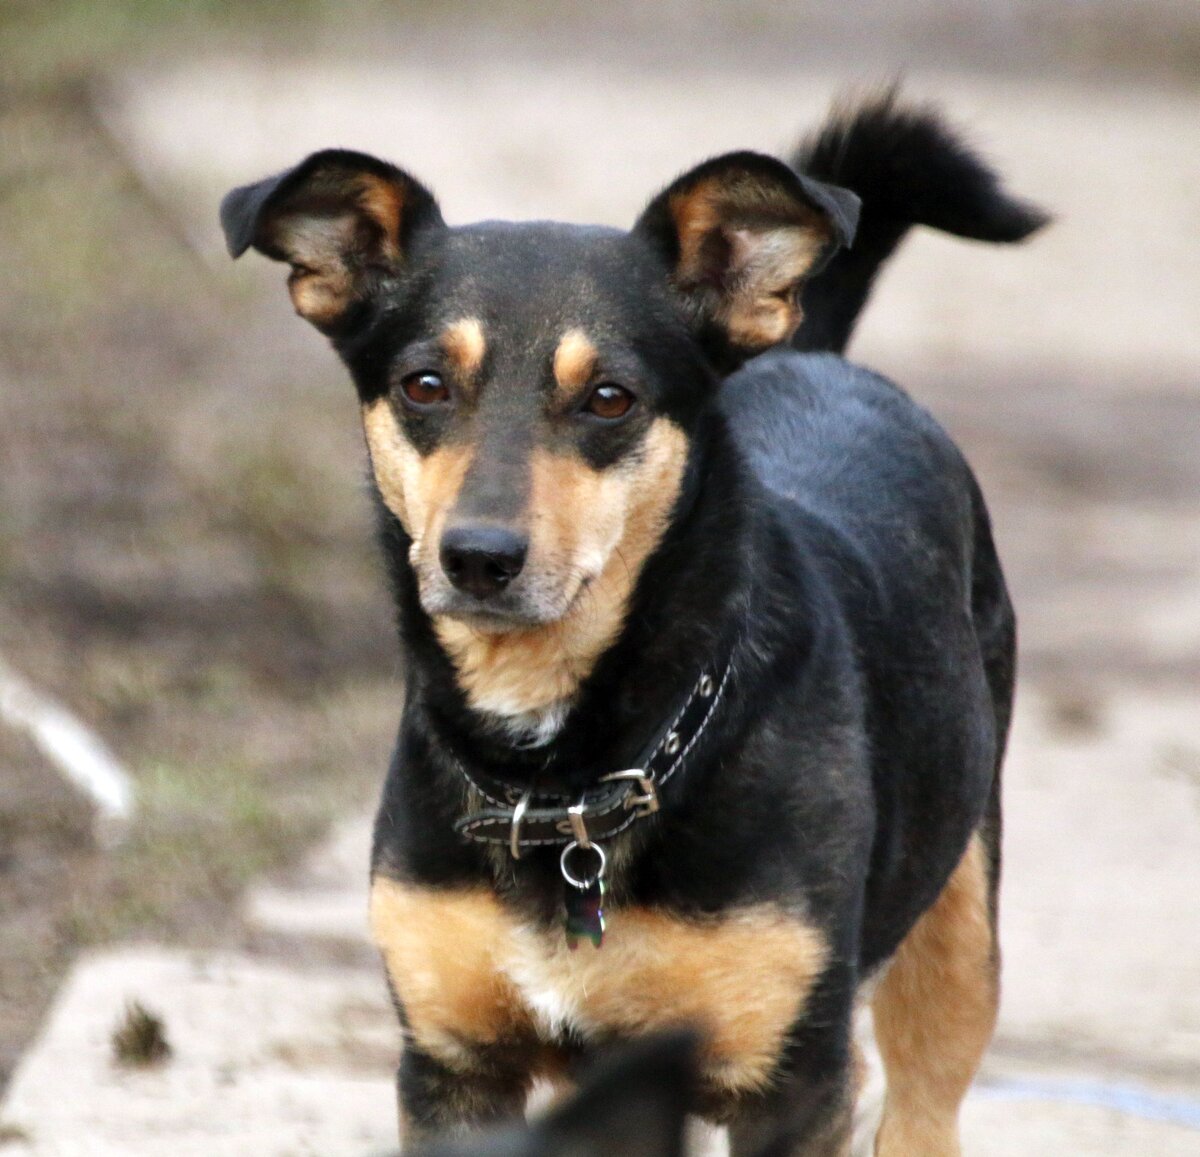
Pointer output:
x,y
528,390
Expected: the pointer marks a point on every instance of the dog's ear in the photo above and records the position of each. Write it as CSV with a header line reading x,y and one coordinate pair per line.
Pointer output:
x,y
634,1102
340,219
740,233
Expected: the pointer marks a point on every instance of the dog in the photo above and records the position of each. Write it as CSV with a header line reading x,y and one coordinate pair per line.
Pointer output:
x,y
633,1102
709,653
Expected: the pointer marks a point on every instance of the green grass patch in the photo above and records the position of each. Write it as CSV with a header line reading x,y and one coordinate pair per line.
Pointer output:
x,y
201,835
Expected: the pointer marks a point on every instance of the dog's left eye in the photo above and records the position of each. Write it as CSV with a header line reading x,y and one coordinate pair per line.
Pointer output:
x,y
609,401
424,389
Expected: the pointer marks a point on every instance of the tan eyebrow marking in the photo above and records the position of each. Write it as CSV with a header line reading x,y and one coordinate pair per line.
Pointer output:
x,y
574,361
464,345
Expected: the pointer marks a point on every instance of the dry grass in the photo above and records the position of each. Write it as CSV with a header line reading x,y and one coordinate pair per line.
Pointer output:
x,y
139,1040
185,553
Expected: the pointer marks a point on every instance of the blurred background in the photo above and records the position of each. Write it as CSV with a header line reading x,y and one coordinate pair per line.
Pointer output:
x,y
185,552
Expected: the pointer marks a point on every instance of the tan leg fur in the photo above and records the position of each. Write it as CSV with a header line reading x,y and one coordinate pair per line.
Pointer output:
x,y
935,1011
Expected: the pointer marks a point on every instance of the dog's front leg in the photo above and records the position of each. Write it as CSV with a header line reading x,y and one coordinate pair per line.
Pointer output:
x,y
470,1049
823,1127
808,1110
436,1099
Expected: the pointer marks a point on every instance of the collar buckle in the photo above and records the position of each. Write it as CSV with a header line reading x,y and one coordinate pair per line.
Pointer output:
x,y
645,804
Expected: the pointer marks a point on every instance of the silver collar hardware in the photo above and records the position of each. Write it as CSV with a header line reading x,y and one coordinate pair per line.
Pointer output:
x,y
582,882
521,817
583,897
647,803
518,815
579,830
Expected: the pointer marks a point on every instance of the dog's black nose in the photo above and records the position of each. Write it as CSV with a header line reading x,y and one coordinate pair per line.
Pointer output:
x,y
482,560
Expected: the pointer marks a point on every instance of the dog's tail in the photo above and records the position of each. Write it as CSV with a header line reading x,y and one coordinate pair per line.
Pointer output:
x,y
910,168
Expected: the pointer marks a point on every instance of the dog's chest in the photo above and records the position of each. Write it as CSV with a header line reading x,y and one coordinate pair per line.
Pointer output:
x,y
469,974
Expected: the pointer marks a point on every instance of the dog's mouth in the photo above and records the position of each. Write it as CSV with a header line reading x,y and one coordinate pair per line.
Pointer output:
x,y
522,607
489,621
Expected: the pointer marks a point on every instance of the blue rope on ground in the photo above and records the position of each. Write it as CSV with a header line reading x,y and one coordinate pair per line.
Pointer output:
x,y
1122,1098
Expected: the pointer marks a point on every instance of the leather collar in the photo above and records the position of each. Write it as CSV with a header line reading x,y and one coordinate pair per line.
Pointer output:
x,y
524,818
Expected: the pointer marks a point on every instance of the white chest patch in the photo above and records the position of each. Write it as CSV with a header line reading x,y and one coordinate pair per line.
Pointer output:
x,y
528,729
549,987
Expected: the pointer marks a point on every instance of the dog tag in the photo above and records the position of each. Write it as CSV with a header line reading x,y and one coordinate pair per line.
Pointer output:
x,y
585,913
583,895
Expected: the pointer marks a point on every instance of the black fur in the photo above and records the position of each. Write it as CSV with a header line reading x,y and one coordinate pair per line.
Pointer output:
x,y
911,168
828,539
633,1102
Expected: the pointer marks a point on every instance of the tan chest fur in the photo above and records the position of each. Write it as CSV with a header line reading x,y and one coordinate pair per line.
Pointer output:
x,y
469,973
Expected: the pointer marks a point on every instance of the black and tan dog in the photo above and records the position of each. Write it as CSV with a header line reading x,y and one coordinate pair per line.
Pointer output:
x,y
708,647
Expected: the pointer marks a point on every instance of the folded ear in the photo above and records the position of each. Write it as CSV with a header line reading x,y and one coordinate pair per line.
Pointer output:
x,y
340,219
740,233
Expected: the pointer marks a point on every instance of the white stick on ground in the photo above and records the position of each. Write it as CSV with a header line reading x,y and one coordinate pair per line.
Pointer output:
x,y
76,751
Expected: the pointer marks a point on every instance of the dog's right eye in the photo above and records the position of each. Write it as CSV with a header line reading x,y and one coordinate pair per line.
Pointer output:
x,y
424,389
609,401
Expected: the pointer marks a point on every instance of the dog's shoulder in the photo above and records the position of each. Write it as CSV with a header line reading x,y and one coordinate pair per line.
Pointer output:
x,y
801,417
851,464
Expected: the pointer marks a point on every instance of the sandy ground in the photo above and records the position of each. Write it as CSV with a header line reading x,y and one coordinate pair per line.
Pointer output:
x,y
1066,368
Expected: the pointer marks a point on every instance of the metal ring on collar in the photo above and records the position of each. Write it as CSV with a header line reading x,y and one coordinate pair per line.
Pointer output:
x,y
574,881
514,832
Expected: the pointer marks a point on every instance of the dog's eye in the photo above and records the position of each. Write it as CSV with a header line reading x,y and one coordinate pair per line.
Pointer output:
x,y
609,401
424,389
